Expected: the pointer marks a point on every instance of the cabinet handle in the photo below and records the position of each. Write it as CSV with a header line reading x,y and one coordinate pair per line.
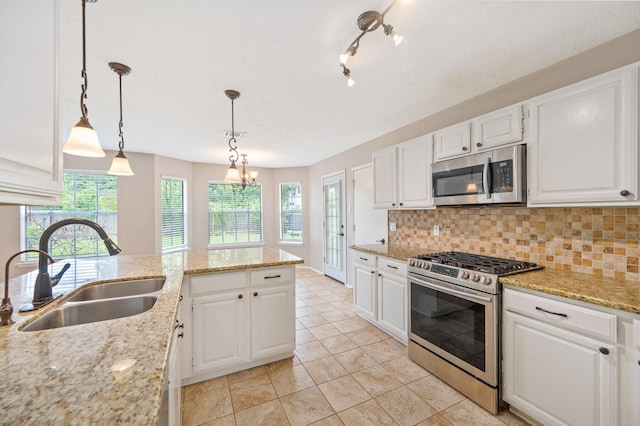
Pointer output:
x,y
604,351
479,144
625,193
272,277
181,334
364,258
255,293
178,325
239,296
464,148
181,297
552,313
392,267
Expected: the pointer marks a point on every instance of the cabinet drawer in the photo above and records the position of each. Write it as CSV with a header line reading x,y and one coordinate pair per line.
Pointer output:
x,y
208,283
588,321
391,266
272,276
364,259
636,333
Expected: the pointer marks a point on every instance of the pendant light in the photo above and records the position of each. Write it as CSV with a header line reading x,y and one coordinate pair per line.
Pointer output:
x,y
233,174
83,140
120,165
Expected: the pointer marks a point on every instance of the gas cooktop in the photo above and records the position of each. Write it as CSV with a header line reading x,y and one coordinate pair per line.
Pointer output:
x,y
479,263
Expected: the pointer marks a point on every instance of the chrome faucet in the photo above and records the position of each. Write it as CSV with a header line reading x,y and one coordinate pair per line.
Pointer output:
x,y
42,293
6,309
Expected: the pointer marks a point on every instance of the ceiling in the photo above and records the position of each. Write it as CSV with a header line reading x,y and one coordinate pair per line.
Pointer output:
x,y
282,55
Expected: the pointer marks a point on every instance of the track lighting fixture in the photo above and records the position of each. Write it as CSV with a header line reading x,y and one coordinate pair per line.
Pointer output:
x,y
83,140
120,165
235,176
367,22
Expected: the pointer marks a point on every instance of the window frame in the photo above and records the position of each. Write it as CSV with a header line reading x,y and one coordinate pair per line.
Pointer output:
x,y
299,241
234,245
185,236
29,258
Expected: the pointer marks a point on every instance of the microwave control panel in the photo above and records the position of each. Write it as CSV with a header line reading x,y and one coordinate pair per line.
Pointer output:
x,y
502,176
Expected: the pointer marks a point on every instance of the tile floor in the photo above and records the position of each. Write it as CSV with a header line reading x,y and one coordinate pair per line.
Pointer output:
x,y
345,371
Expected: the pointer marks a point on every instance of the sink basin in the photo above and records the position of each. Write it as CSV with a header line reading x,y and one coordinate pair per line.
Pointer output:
x,y
84,313
118,289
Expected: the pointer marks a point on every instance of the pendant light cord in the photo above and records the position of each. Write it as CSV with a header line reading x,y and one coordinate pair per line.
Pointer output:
x,y
83,95
233,148
121,142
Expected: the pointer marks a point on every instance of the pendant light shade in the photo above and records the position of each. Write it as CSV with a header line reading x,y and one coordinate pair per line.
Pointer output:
x,y
83,140
233,174
120,165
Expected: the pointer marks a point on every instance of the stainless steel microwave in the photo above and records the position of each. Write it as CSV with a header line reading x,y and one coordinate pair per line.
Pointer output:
x,y
495,176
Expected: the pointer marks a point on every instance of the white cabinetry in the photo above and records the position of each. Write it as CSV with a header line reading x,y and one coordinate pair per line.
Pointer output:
x,y
488,131
583,146
402,175
239,320
559,361
634,391
380,292
31,155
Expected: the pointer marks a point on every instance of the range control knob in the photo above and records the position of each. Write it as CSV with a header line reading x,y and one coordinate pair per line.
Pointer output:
x,y
426,266
485,280
412,262
475,277
419,264
465,275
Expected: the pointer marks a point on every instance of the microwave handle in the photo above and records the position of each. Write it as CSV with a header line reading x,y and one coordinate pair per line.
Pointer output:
x,y
486,177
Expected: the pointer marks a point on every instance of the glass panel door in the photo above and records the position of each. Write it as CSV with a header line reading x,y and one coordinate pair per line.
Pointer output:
x,y
334,227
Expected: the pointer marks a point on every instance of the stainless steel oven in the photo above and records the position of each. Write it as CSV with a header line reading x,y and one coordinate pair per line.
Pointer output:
x,y
458,324
454,320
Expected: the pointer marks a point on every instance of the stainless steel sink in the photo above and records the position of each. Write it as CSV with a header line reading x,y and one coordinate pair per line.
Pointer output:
x,y
118,289
88,312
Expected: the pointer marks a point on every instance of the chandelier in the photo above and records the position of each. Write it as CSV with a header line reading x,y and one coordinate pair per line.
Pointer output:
x,y
235,176
367,22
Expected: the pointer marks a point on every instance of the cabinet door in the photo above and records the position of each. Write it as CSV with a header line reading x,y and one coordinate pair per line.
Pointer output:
x,y
498,128
414,172
384,179
364,292
31,155
392,306
272,321
584,142
220,330
453,141
556,376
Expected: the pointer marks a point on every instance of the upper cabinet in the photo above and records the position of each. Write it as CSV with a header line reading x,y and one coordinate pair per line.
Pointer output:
x,y
583,144
488,131
31,155
402,175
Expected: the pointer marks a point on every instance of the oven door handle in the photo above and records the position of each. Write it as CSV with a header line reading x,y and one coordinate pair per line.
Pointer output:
x,y
486,172
455,292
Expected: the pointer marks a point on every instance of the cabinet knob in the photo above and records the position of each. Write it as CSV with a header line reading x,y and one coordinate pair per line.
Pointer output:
x,y
255,293
393,204
239,296
479,144
625,193
464,148
604,351
401,204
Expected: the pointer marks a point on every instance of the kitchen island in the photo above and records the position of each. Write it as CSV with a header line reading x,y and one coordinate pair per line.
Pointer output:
x,y
111,371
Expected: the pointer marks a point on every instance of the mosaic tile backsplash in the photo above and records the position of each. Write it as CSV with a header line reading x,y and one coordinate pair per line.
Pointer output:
x,y
599,241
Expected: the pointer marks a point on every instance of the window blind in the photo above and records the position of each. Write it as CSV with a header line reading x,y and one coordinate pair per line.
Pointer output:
x,y
235,214
291,212
173,213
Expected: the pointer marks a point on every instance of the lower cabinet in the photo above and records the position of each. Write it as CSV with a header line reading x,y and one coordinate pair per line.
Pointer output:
x,y
560,361
238,320
380,292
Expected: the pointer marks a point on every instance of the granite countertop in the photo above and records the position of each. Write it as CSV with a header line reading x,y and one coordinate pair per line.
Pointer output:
x,y
111,371
622,295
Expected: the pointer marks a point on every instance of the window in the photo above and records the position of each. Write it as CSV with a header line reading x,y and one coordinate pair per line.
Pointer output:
x,y
291,212
173,213
235,214
87,196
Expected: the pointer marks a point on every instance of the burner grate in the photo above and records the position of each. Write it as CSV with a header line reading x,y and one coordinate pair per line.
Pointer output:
x,y
480,263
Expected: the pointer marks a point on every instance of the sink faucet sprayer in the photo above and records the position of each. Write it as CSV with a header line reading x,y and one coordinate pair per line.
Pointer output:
x,y
42,293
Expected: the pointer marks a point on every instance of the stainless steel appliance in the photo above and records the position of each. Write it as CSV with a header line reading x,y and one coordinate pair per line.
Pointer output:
x,y
454,320
497,176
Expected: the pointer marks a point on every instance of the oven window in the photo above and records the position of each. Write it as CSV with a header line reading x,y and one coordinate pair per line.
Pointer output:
x,y
465,181
453,324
